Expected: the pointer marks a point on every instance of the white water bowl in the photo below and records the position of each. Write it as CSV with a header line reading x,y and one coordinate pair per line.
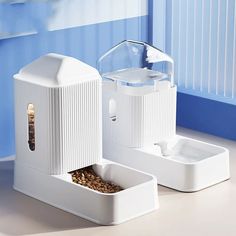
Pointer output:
x,y
138,197
192,151
191,166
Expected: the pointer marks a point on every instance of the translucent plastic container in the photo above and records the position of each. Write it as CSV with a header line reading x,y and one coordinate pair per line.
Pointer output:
x,y
136,64
139,96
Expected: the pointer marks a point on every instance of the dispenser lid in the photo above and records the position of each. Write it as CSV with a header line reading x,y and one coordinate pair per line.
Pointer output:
x,y
134,63
54,70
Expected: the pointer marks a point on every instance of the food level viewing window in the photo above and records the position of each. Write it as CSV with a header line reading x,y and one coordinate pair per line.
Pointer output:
x,y
31,126
112,109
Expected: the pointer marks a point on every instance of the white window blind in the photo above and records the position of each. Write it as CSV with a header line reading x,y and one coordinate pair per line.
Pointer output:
x,y
201,37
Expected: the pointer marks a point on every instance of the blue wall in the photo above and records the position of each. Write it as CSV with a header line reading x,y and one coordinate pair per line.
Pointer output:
x,y
167,26
86,43
206,115
200,36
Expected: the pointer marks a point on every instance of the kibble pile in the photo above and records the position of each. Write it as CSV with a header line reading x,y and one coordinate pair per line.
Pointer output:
x,y
88,178
31,140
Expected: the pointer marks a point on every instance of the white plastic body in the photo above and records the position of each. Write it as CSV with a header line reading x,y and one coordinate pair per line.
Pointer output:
x,y
66,95
143,115
192,165
140,132
138,197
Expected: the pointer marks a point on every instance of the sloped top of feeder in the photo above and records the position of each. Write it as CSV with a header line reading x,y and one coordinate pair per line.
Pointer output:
x,y
135,63
54,70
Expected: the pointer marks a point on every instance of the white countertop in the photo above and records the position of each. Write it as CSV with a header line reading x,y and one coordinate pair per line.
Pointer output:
x,y
210,212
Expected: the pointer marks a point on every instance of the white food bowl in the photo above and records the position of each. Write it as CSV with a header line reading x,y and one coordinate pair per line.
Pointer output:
x,y
138,197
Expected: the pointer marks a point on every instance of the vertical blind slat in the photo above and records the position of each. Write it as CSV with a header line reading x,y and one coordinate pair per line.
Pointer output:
x,y
234,52
203,45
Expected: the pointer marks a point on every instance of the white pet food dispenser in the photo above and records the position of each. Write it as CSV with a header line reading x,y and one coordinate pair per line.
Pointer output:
x,y
59,129
139,121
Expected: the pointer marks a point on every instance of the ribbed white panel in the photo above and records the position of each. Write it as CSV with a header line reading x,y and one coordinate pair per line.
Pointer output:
x,y
140,120
159,116
129,126
76,129
201,39
127,129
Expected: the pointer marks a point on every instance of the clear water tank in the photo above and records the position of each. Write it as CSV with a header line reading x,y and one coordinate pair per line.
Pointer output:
x,y
136,64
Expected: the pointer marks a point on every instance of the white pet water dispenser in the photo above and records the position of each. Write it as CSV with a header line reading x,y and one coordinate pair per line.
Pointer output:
x,y
139,121
58,123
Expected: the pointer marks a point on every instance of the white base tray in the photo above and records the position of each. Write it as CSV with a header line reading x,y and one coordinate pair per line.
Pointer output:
x,y
138,197
193,165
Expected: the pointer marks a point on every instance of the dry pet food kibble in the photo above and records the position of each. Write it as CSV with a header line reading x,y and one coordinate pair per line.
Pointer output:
x,y
88,178
31,128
